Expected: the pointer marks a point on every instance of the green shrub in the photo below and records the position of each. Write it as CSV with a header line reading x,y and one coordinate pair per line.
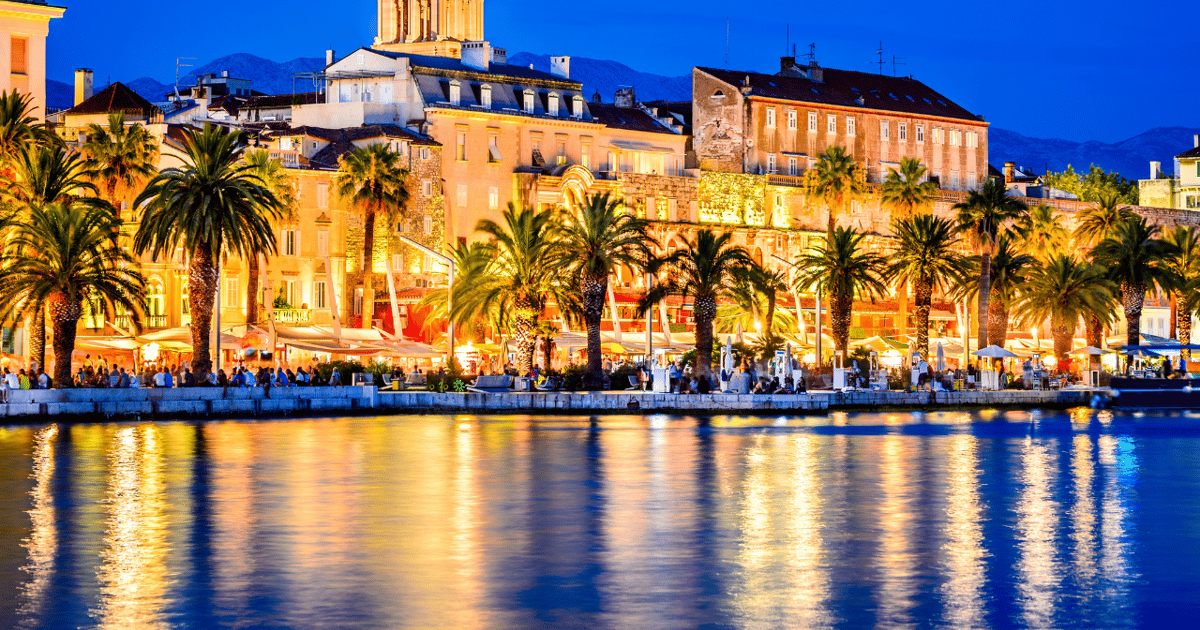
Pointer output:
x,y
573,377
620,376
452,381
344,368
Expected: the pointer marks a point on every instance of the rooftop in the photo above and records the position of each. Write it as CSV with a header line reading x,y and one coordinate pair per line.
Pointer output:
x,y
850,89
115,98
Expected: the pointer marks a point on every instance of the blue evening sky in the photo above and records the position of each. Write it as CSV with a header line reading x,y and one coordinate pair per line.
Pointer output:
x,y
1097,70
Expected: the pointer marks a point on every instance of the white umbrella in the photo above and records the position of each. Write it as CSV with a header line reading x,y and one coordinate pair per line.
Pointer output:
x,y
941,358
1092,350
994,352
739,332
787,370
727,360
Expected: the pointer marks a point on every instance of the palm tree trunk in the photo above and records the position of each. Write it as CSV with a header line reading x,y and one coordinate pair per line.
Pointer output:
x,y
202,288
594,291
840,313
368,269
985,273
1062,332
37,336
547,349
705,311
1183,325
252,290
524,327
64,314
997,319
1095,339
1132,297
769,325
924,302
111,185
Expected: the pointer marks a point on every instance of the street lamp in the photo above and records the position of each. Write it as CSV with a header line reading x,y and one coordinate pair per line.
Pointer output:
x,y
449,294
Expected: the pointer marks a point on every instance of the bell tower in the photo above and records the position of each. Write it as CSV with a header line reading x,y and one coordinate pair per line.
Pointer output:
x,y
428,27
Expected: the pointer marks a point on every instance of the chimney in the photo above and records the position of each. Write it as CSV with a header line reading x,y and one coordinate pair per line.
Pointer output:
x,y
560,67
500,56
477,55
1196,140
328,57
1009,172
83,84
1155,169
815,73
624,97
224,74
786,63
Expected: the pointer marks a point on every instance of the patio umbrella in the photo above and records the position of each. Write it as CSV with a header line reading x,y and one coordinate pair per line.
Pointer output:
x,y
1140,352
994,352
727,359
740,333
941,358
1090,350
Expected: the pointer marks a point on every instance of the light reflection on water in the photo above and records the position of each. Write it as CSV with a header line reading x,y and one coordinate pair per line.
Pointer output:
x,y
950,519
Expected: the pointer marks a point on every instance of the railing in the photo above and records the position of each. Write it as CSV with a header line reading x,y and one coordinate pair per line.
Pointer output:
x,y
289,158
779,179
156,321
93,322
293,316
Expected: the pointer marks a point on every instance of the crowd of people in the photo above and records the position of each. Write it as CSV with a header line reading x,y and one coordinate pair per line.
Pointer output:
x,y
94,373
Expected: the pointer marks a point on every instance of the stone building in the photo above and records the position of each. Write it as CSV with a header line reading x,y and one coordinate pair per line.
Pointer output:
x,y
1180,191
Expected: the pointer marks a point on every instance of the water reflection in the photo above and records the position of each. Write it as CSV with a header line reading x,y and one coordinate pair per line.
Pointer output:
x,y
132,572
963,551
42,543
858,520
1039,573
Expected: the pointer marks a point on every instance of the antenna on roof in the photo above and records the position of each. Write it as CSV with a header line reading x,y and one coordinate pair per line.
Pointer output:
x,y
896,62
179,64
726,43
812,52
881,62
788,42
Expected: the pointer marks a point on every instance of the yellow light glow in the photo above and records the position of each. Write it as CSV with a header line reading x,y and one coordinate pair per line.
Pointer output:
x,y
1050,361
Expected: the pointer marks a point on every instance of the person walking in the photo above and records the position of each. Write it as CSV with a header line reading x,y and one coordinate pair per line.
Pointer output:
x,y
335,379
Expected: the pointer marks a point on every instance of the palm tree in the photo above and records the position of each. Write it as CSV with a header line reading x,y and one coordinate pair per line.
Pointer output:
x,y
374,180
276,179
1041,233
1137,261
705,270
1186,264
755,295
1009,269
926,257
516,274
213,205
601,237
903,192
120,157
836,181
1099,222
842,270
980,216
1064,290
45,174
61,254
18,127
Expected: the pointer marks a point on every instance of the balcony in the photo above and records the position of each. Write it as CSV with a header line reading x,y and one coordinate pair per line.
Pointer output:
x,y
294,316
779,179
156,321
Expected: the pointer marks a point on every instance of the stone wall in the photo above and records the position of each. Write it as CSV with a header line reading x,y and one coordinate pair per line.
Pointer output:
x,y
188,402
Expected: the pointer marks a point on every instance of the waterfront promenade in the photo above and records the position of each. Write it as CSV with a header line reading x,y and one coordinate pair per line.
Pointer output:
x,y
214,402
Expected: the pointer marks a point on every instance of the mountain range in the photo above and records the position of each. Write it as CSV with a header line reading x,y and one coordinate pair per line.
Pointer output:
x,y
1129,157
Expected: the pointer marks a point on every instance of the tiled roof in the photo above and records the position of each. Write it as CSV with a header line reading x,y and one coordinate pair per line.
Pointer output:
x,y
115,98
1190,153
341,141
848,88
627,118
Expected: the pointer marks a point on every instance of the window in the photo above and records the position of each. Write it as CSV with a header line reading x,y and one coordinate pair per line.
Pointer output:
x,y
812,121
288,290
493,148
792,119
972,140
322,243
770,117
18,59
552,104
428,225
831,123
462,196
920,134
289,245
427,188
585,155
793,168
358,301
485,96
322,196
461,150
612,161
955,138
397,263
232,297
455,92
319,294
884,131
424,153
560,152
493,198
902,132
970,181
850,130
770,162
528,104
385,94
578,110
953,180
937,135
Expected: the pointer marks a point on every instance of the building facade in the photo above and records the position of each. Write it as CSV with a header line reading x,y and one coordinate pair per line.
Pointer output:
x,y
1181,191
24,25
